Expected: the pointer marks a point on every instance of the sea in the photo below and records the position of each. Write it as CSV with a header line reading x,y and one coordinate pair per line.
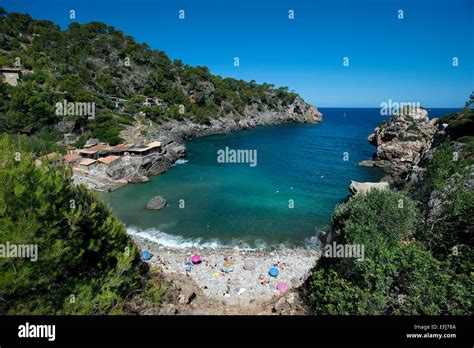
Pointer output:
x,y
283,199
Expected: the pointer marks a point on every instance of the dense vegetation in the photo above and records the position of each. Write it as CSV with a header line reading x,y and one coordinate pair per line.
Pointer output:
x,y
86,262
418,242
88,62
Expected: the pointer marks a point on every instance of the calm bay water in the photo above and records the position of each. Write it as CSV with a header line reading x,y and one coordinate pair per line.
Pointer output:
x,y
227,203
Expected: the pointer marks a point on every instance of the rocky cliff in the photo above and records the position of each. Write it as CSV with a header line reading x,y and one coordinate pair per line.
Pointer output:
x,y
174,133
401,142
406,146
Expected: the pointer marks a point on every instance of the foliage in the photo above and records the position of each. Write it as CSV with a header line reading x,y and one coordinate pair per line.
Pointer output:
x,y
86,262
106,129
445,225
88,62
398,275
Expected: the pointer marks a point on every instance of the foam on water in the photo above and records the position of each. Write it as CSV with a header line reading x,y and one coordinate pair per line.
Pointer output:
x,y
180,161
171,241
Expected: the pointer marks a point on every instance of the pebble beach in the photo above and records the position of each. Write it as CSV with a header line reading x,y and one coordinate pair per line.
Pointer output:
x,y
235,276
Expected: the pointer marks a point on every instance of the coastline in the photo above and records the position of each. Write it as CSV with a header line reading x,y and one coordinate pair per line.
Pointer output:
x,y
203,289
173,135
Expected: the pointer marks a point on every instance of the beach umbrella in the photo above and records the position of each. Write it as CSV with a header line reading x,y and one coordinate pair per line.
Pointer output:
x,y
146,255
249,264
196,259
282,287
273,272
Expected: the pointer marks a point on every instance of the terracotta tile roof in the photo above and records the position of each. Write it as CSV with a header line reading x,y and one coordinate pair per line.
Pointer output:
x,y
153,144
95,148
70,158
122,147
108,159
87,162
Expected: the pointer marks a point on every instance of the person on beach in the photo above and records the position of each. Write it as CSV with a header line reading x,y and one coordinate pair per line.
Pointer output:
x,y
280,266
228,285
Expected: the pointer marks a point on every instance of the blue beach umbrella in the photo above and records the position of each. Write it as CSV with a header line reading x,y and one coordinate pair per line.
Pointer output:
x,y
273,272
146,255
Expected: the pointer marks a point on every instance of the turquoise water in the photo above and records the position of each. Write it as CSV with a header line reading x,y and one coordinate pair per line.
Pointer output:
x,y
228,203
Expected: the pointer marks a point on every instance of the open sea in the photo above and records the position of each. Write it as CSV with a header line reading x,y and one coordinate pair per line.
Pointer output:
x,y
303,171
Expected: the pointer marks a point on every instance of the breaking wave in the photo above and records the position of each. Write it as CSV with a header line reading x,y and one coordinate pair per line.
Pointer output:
x,y
178,242
180,161
171,241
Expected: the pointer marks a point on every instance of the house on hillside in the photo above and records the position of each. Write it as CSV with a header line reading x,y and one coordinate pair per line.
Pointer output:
x,y
70,138
108,160
148,149
71,159
88,164
153,101
70,150
103,150
119,103
94,152
91,142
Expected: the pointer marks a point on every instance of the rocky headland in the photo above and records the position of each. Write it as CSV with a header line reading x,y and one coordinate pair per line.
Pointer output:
x,y
401,142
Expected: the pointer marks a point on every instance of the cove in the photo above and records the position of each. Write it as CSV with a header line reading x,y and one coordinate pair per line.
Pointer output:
x,y
303,172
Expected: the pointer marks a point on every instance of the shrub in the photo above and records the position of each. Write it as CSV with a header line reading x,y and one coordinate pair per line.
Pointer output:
x,y
398,275
86,264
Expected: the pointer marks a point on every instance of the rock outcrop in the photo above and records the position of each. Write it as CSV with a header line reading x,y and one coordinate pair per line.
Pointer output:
x,y
363,187
402,141
156,203
179,131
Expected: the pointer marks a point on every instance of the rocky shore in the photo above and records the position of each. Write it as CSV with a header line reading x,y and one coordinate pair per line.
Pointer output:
x,y
173,134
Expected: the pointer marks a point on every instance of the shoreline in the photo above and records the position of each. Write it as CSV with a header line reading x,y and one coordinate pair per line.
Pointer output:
x,y
174,135
222,269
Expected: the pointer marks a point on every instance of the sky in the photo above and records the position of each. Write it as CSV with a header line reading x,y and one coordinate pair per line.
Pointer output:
x,y
403,60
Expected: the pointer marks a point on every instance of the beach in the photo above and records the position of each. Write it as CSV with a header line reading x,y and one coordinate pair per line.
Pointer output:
x,y
222,277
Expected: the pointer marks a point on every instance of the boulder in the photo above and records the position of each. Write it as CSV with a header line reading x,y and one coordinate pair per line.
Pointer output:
x,y
138,178
367,163
186,295
280,306
168,309
156,203
363,187
289,304
249,264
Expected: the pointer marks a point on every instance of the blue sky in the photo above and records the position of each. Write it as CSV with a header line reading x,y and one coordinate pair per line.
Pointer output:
x,y
407,60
